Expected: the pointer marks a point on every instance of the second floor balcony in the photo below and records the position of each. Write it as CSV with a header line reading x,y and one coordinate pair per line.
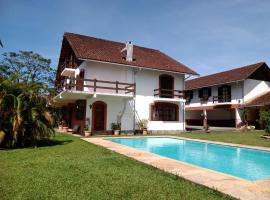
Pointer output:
x,y
93,86
222,99
168,93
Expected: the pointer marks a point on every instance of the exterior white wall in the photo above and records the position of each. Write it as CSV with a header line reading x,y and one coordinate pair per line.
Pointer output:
x,y
115,107
254,88
146,81
236,96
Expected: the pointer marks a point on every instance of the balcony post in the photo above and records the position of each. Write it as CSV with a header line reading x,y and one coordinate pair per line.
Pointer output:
x,y
134,89
204,118
116,89
95,85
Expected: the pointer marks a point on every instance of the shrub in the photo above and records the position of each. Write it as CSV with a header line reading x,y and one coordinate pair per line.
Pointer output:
x,y
266,118
116,126
142,124
24,116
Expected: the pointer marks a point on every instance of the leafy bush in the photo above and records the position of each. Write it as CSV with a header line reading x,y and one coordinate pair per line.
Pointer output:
x,y
116,126
143,124
266,118
24,116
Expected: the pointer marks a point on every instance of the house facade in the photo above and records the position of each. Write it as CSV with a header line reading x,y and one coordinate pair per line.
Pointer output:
x,y
101,82
220,99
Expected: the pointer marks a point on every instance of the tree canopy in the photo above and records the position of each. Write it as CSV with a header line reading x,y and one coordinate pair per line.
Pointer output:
x,y
27,66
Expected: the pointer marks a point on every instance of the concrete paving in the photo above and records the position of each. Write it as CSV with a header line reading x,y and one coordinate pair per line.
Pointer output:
x,y
227,184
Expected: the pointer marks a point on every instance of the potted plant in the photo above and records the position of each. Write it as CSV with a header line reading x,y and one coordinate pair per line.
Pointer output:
x,y
143,126
116,127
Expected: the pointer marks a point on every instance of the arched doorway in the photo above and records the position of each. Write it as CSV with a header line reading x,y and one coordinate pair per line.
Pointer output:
x,y
166,86
99,116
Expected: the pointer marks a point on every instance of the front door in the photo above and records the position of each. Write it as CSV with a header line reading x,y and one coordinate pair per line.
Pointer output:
x,y
99,116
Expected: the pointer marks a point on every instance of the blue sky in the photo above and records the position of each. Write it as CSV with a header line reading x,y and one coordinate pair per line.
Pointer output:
x,y
207,35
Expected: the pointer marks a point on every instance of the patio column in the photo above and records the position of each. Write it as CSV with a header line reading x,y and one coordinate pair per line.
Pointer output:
x,y
204,118
238,119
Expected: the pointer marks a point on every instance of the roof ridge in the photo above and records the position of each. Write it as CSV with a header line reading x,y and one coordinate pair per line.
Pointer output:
x,y
99,49
233,69
106,40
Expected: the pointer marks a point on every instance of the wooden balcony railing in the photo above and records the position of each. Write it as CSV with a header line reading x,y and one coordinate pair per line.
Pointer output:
x,y
95,85
167,93
222,99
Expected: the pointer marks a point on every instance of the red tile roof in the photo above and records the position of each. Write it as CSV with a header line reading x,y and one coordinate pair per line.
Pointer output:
x,y
262,100
230,76
91,48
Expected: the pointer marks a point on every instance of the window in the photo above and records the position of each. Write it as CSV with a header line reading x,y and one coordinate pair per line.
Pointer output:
x,y
166,86
224,93
204,93
79,110
164,112
188,95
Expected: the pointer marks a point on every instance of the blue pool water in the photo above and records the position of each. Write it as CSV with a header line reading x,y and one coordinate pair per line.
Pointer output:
x,y
245,163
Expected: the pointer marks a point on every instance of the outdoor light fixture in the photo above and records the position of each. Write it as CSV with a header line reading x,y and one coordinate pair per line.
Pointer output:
x,y
90,106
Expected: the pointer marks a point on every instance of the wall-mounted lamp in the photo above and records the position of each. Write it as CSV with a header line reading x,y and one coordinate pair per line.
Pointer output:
x,y
90,106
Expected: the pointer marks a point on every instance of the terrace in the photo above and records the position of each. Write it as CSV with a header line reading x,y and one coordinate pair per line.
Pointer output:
x,y
74,88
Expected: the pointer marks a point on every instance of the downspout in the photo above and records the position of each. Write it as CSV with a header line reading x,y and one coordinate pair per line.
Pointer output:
x,y
184,116
134,100
184,102
243,91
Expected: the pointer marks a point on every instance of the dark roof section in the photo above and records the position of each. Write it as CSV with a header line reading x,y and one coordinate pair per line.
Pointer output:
x,y
230,76
91,48
262,100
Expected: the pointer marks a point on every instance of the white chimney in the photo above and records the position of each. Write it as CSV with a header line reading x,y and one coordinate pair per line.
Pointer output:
x,y
129,49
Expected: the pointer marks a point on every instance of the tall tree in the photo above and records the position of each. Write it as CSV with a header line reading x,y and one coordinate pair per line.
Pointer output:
x,y
28,66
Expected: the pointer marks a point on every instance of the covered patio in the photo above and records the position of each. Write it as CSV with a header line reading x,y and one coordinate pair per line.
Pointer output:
x,y
254,107
214,116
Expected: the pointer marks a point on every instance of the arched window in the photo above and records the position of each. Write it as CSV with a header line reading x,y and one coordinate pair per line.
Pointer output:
x,y
161,111
166,86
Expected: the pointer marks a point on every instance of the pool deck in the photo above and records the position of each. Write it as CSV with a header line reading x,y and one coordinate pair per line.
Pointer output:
x,y
227,184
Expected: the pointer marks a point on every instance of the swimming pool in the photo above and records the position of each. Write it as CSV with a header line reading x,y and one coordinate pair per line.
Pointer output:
x,y
245,163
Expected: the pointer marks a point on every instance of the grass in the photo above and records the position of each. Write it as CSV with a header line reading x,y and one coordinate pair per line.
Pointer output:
x,y
74,169
249,138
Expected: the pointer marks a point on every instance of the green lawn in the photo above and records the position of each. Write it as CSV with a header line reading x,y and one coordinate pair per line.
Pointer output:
x,y
249,138
74,169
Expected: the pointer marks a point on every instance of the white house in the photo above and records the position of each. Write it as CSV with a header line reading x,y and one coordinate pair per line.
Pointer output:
x,y
101,82
218,99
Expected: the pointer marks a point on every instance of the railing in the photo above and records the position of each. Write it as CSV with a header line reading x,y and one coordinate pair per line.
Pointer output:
x,y
167,93
222,99
95,85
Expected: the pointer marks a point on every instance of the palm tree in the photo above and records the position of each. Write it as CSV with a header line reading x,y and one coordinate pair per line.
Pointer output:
x,y
24,117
